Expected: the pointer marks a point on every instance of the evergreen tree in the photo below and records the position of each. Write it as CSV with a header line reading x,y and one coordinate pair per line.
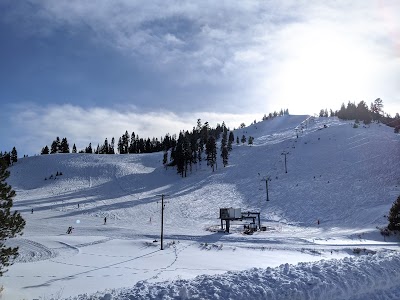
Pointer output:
x,y
394,216
12,223
165,159
250,142
224,148
187,152
125,143
45,150
342,112
194,146
14,155
64,146
237,140
231,139
179,155
54,147
211,152
132,145
120,147
74,149
5,158
243,140
89,149
58,145
112,145
362,112
104,149
376,108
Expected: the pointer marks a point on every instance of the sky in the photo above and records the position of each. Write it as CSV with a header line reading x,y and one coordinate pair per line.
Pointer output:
x,y
90,70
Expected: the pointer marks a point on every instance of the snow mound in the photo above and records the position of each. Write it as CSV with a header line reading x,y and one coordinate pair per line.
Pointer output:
x,y
365,277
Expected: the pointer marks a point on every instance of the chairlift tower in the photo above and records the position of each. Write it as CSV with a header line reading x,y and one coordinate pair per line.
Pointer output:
x,y
266,179
162,218
285,153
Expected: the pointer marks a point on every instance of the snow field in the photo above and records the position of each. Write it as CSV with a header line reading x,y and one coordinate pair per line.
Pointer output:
x,y
356,181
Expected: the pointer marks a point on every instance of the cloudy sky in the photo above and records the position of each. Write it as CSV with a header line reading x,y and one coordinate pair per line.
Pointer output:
x,y
87,70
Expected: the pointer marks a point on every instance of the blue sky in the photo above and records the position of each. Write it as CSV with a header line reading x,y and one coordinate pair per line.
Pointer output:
x,y
91,70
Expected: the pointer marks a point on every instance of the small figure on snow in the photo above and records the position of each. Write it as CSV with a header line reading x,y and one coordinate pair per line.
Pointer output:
x,y
69,230
105,220
32,211
318,221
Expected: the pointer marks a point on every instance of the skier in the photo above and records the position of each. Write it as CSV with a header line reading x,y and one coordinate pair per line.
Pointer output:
x,y
32,211
105,220
318,221
69,230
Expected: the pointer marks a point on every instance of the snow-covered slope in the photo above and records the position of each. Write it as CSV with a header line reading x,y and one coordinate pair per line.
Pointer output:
x,y
345,177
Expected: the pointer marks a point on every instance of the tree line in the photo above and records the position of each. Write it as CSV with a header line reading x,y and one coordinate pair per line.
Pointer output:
x,y
8,158
361,112
190,147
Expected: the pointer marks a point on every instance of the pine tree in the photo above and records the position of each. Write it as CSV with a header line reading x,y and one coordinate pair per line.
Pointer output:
x,y
165,158
132,145
243,140
64,146
394,216
74,149
224,148
119,146
237,140
211,152
112,145
125,143
14,155
12,224
45,150
231,139
89,148
250,142
5,158
376,108
54,147
58,144
179,155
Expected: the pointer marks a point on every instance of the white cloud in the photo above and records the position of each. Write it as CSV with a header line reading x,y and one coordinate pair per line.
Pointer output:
x,y
251,56
38,126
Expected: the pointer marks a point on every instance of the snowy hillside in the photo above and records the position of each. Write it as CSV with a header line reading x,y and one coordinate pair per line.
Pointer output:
x,y
346,178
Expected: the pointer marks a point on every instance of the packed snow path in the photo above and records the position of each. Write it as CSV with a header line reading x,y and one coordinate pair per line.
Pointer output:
x,y
344,177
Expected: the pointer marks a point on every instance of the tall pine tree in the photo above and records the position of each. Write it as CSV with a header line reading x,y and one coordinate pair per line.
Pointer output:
x,y
211,152
12,223
14,155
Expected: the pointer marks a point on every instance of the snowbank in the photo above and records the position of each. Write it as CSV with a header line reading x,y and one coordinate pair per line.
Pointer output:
x,y
365,277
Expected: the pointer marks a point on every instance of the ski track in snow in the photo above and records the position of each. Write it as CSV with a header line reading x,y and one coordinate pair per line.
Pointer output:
x,y
337,174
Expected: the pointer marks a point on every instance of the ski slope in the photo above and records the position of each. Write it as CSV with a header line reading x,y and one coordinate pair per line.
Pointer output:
x,y
345,177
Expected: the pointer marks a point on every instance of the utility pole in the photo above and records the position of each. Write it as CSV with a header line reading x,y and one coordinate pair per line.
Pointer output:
x,y
162,219
285,153
266,185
